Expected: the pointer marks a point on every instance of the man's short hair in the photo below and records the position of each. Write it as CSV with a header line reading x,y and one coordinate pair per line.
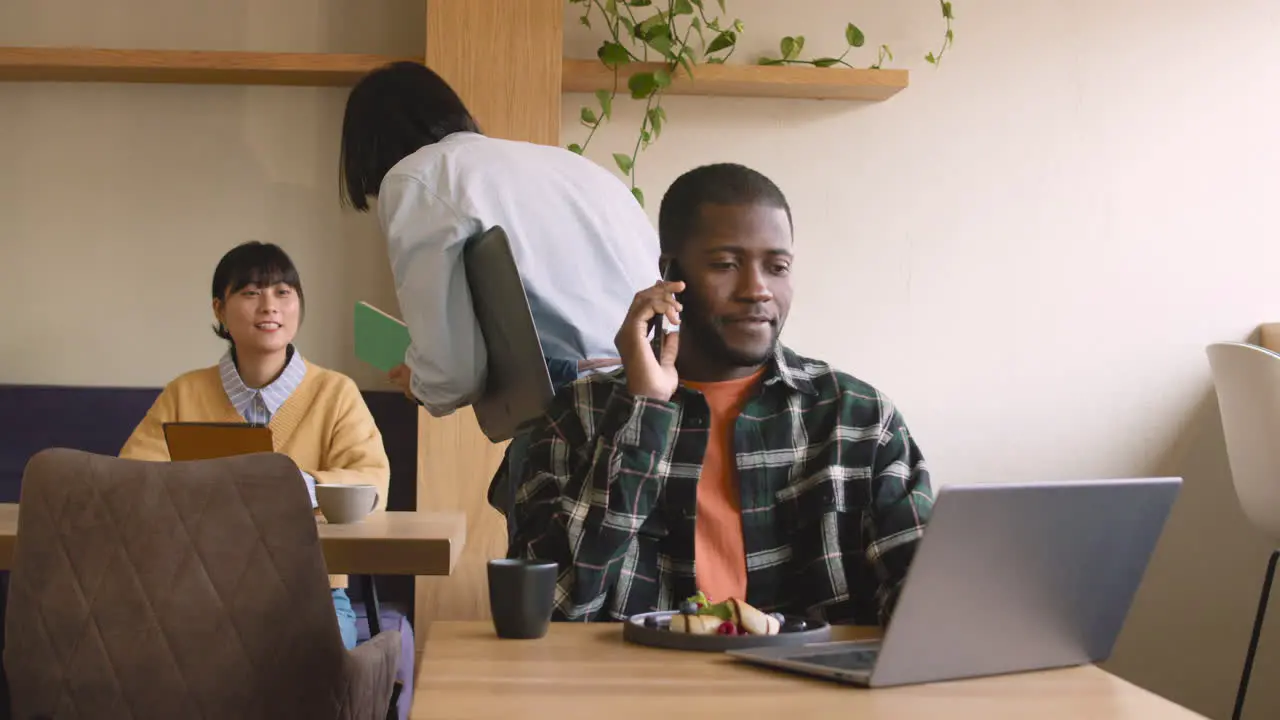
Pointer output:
x,y
718,184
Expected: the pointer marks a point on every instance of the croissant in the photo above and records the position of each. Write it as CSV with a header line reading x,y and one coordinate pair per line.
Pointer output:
x,y
752,620
695,624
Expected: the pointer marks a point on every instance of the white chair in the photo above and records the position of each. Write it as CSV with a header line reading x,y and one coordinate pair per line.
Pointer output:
x,y
1247,380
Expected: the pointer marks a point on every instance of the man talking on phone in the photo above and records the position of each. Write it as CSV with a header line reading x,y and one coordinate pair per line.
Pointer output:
x,y
718,460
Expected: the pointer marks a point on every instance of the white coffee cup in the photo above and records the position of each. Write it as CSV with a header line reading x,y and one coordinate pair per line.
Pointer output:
x,y
346,503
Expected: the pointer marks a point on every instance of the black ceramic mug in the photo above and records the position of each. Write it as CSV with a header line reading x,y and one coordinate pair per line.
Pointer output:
x,y
521,596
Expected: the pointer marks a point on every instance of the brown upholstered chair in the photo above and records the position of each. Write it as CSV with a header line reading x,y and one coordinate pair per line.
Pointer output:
x,y
179,590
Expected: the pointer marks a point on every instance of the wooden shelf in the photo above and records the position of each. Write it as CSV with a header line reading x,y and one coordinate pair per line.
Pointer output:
x,y
337,70
184,66
768,81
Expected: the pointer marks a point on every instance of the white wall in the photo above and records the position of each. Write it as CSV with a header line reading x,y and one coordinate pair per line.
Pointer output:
x,y
116,201
1028,248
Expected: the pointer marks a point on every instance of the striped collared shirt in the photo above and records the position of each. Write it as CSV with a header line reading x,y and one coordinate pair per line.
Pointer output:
x,y
834,495
257,405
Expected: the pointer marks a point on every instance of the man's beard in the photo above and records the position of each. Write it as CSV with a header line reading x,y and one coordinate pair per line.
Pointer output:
x,y
710,339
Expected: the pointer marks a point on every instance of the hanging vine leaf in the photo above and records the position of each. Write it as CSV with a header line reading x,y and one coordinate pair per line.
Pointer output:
x,y
682,7
575,148
787,47
651,24
613,55
624,162
686,60
826,62
662,42
606,103
791,47
642,85
639,196
853,35
656,117
724,40
588,117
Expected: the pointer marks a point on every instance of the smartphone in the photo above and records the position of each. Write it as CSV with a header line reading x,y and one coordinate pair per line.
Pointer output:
x,y
670,273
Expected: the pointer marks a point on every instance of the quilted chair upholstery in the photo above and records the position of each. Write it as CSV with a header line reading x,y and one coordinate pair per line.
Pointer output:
x,y
179,590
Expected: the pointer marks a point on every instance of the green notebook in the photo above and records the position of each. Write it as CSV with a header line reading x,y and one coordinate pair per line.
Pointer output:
x,y
381,340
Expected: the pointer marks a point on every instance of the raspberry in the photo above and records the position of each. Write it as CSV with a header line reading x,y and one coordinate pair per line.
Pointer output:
x,y
727,628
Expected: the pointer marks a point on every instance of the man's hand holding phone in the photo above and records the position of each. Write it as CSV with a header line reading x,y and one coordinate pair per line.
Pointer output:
x,y
650,374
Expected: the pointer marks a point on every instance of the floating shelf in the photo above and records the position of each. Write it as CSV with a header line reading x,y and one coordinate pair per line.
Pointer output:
x,y
207,67
214,67
772,81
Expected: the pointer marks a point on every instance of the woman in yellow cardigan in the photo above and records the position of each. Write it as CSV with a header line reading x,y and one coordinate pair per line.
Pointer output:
x,y
317,416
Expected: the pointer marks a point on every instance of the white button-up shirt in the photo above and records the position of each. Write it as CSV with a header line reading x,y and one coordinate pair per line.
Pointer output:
x,y
583,244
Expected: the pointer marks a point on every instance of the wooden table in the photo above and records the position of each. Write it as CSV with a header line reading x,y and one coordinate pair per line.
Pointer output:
x,y
588,672
391,543
387,543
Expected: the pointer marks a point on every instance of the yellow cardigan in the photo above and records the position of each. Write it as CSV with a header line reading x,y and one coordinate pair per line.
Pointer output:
x,y
324,427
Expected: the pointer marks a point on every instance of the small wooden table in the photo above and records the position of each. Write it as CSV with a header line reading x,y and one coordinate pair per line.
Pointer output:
x,y
387,543
586,671
390,543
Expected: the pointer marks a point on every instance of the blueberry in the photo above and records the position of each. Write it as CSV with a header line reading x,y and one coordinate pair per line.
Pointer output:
x,y
782,619
688,607
794,626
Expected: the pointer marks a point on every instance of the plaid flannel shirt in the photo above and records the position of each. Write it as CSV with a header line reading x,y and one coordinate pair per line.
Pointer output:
x,y
834,495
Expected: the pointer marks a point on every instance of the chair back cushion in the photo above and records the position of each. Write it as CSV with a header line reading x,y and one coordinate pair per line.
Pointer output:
x,y
165,590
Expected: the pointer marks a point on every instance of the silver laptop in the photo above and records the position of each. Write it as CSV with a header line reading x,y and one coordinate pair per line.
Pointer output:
x,y
1008,578
518,386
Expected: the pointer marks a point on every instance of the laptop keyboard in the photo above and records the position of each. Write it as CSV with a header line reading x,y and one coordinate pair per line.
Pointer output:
x,y
846,660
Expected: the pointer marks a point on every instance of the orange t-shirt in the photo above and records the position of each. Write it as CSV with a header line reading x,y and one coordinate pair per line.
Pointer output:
x,y
719,556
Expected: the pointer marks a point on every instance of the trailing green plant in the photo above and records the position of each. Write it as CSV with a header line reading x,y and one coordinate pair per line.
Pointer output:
x,y
680,35
666,34
791,46
932,58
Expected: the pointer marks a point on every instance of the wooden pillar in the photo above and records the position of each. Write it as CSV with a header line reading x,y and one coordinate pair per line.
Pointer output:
x,y
504,58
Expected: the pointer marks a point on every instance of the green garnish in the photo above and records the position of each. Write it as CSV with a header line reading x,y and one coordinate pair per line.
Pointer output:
x,y
720,610
706,607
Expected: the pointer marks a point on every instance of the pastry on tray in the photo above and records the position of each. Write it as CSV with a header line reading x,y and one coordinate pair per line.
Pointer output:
x,y
699,616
